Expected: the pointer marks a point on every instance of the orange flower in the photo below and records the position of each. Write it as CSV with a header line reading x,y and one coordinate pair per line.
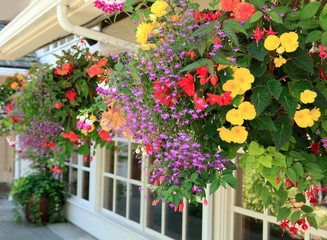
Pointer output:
x,y
228,5
66,68
243,11
102,62
94,70
14,85
175,18
71,136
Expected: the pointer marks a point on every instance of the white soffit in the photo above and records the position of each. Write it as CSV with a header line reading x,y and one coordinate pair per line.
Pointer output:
x,y
37,25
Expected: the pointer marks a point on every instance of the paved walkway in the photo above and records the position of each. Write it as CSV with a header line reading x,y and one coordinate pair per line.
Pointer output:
x,y
9,230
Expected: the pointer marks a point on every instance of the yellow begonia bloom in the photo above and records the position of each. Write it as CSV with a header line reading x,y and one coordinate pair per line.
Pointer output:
x,y
315,114
221,67
159,8
279,61
234,116
238,134
224,134
93,118
289,41
142,32
147,46
308,96
280,50
247,110
272,42
244,78
231,86
303,118
153,18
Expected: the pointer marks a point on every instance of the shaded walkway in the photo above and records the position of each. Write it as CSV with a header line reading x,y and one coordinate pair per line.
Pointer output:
x,y
9,230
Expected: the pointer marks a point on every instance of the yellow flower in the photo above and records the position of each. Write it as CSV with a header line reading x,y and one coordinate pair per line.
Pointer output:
x,y
244,78
232,86
247,110
303,118
159,8
272,42
308,96
224,134
234,116
147,46
315,114
279,61
142,32
85,132
153,18
93,118
280,50
238,134
289,41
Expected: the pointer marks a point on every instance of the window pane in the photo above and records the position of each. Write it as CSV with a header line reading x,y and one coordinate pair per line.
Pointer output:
x,y
245,196
276,233
74,156
108,193
153,215
85,185
136,164
109,161
194,222
122,163
315,237
73,181
121,198
247,228
134,203
173,223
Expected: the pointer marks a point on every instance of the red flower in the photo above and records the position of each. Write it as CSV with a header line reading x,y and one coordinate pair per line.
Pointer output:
x,y
44,144
56,170
148,148
187,84
212,98
51,145
70,95
214,80
293,229
85,158
202,71
94,70
199,102
226,98
269,32
277,180
105,136
322,53
66,68
156,182
257,34
71,136
81,41
192,54
58,105
284,224
102,62
216,40
14,119
180,207
9,108
288,183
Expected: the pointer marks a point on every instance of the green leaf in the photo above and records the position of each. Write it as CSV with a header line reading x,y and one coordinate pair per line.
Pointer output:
x,y
257,4
258,68
256,16
255,150
302,59
324,11
186,194
310,10
282,195
308,23
260,99
300,198
324,38
214,186
230,27
313,36
195,65
230,179
284,132
275,88
323,22
176,200
291,174
119,66
283,213
298,169
263,122
266,161
288,102
313,222
295,216
259,52
276,18
222,60
204,29
194,177
297,87
306,209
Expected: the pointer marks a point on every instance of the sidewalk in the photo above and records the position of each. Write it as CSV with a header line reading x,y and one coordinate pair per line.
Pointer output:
x,y
9,230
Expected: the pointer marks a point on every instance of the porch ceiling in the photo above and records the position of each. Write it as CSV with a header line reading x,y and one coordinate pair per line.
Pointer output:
x,y
37,25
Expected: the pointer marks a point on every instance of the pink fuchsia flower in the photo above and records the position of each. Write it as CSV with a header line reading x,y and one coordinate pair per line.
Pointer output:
x,y
257,34
70,95
56,170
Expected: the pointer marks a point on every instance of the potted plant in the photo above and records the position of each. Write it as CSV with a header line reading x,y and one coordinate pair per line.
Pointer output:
x,y
40,196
